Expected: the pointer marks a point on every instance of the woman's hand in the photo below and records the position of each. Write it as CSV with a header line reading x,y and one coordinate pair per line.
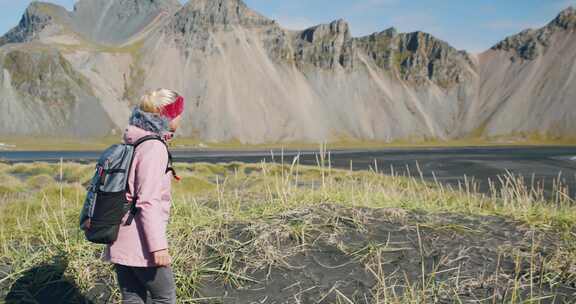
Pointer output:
x,y
162,258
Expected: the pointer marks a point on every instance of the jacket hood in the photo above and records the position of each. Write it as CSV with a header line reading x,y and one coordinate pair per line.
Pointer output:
x,y
132,134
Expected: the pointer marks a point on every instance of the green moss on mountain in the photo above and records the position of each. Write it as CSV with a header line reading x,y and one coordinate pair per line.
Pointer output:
x,y
43,73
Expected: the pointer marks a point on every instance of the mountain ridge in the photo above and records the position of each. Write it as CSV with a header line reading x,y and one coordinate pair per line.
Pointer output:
x,y
251,80
530,43
566,19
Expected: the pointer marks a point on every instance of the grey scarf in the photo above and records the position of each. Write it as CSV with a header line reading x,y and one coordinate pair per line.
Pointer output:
x,y
149,121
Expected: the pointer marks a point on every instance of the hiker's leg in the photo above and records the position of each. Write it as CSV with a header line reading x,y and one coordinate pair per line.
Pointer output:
x,y
160,283
132,289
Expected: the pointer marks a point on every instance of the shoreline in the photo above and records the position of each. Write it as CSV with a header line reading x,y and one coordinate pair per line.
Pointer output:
x,y
328,148
30,144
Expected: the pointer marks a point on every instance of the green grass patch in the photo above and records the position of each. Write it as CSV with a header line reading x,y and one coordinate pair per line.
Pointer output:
x,y
32,169
10,185
209,170
72,173
39,182
191,184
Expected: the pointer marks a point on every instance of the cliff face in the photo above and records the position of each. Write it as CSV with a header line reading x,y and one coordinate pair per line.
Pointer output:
x,y
248,79
194,25
37,19
530,44
418,58
326,46
527,84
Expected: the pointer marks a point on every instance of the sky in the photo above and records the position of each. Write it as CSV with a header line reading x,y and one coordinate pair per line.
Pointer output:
x,y
472,25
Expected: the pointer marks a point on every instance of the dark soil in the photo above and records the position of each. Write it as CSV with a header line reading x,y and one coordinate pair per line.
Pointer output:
x,y
475,258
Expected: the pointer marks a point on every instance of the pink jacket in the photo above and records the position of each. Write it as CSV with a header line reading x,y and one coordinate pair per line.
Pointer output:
x,y
147,234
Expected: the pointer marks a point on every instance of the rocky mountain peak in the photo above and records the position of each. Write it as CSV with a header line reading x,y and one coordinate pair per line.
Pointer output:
x,y
338,29
193,25
326,46
37,17
100,21
531,43
527,45
220,12
416,57
390,32
42,8
566,19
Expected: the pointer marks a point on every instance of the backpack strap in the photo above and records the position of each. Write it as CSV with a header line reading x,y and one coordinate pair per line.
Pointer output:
x,y
147,138
169,167
133,209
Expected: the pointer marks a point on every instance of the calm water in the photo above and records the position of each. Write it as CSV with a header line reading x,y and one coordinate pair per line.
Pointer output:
x,y
447,165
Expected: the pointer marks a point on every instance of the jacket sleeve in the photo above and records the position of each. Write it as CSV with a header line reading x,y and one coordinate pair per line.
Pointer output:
x,y
151,161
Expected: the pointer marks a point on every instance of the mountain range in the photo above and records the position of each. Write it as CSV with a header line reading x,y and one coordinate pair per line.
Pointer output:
x,y
247,79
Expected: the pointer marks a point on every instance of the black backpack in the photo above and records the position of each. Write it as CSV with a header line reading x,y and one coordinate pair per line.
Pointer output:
x,y
106,202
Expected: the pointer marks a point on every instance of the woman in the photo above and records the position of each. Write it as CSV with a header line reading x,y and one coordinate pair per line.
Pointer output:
x,y
140,253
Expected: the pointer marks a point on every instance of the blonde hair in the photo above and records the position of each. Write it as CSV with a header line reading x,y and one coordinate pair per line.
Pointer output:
x,y
153,101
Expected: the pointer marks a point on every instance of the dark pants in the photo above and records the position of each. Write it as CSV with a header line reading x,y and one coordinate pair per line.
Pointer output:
x,y
136,282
